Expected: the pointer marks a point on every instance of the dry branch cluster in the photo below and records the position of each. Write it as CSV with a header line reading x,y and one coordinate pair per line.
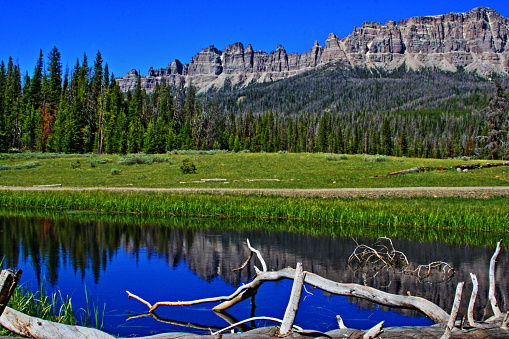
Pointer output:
x,y
371,260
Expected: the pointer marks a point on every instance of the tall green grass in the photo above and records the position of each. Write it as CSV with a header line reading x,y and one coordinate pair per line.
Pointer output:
x,y
451,213
54,307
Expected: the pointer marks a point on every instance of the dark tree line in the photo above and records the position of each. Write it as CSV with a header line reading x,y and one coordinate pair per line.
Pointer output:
x,y
405,113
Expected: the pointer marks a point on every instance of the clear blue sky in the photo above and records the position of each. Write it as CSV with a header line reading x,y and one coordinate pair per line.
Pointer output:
x,y
140,34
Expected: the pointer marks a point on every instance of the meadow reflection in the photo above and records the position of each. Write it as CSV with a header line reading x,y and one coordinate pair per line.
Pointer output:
x,y
212,248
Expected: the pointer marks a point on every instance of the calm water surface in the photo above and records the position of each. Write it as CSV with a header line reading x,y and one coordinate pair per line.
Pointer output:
x,y
185,259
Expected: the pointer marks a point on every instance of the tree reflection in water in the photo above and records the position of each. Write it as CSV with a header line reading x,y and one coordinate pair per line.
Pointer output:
x,y
185,259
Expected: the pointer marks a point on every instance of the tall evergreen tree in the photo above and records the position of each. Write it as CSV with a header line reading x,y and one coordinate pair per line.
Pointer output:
x,y
51,88
387,141
10,95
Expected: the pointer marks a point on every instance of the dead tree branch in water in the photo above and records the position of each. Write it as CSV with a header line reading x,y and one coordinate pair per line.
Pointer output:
x,y
374,259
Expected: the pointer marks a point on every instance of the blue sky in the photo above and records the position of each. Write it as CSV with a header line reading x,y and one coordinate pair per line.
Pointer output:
x,y
140,34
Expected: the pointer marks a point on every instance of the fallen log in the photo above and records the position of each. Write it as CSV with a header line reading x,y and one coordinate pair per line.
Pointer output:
x,y
468,166
431,310
460,168
33,327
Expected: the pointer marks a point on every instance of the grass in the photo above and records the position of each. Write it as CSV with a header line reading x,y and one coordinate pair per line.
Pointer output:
x,y
331,228
53,307
456,214
293,170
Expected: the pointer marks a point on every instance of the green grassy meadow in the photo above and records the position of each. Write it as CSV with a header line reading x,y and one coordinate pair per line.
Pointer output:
x,y
243,170
455,216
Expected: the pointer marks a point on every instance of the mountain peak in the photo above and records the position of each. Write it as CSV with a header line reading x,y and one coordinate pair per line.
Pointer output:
x,y
476,41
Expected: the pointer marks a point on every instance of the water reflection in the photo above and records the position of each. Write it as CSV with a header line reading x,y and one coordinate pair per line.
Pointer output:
x,y
185,259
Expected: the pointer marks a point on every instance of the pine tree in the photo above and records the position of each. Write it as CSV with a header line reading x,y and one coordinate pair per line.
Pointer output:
x,y
387,142
51,88
324,128
32,100
10,95
403,143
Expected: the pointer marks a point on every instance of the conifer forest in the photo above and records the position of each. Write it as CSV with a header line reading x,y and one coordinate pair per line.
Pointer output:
x,y
334,109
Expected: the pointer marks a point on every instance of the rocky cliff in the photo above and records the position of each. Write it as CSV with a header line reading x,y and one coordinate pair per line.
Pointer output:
x,y
476,41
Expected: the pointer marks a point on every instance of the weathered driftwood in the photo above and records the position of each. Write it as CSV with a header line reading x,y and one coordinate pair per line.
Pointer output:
x,y
491,291
252,319
379,256
488,165
33,327
468,166
473,297
259,255
410,170
454,312
431,310
293,304
460,168
417,170
374,331
8,282
341,324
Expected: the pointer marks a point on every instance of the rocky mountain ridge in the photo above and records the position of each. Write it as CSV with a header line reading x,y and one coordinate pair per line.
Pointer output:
x,y
477,41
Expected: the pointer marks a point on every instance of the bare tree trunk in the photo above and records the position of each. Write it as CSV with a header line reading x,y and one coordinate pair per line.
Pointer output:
x,y
293,303
454,311
375,331
473,296
8,282
491,291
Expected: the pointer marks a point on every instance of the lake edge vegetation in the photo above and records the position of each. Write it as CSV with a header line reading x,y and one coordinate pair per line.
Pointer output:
x,y
422,213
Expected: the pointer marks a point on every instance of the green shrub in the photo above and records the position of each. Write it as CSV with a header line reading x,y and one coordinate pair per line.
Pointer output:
x,y
376,158
27,165
188,167
115,171
141,159
76,165
198,152
339,157
104,161
5,167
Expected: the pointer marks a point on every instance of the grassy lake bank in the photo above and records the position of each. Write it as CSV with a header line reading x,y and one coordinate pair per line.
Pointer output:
x,y
402,216
396,216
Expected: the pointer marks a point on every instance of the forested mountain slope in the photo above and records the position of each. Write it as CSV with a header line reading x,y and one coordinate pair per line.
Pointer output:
x,y
340,88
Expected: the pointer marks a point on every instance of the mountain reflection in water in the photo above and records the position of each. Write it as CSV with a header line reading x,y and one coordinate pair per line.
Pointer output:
x,y
185,259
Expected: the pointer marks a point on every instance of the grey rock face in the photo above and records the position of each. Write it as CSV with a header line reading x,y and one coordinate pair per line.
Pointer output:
x,y
476,40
